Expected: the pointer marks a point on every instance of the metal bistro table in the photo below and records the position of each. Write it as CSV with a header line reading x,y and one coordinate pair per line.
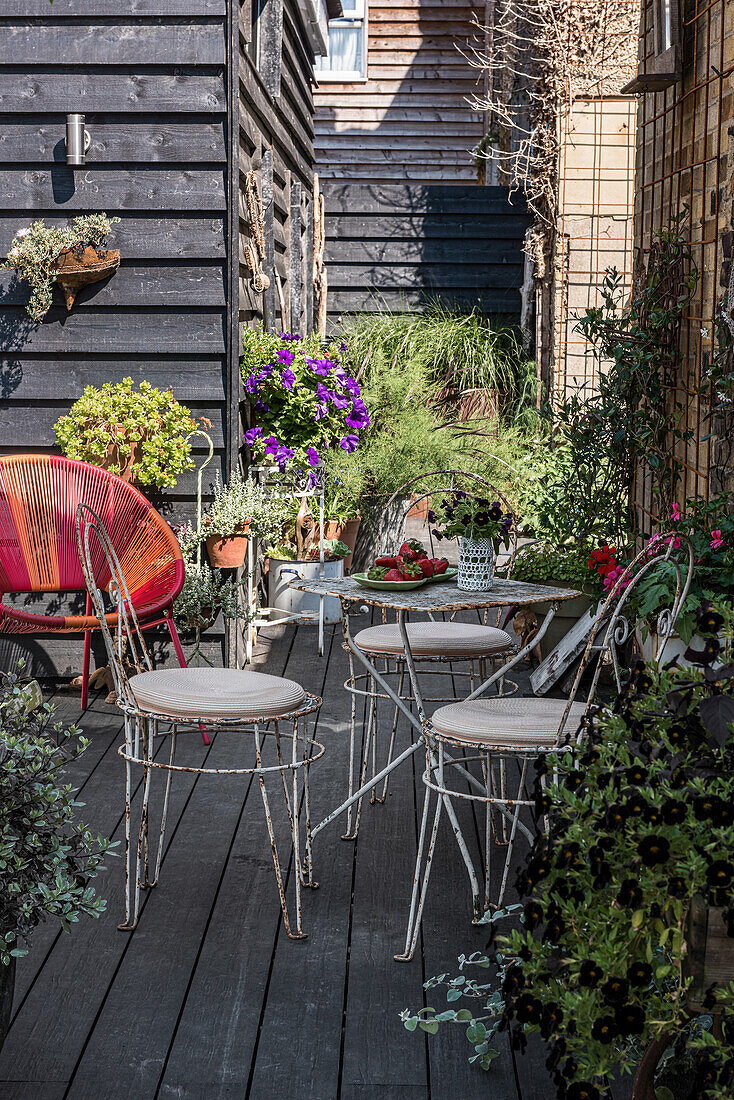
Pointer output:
x,y
437,598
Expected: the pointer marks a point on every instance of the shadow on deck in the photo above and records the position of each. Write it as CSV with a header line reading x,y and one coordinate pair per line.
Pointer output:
x,y
209,998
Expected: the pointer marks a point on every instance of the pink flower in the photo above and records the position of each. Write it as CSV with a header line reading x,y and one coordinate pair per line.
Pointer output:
x,y
716,540
675,513
613,576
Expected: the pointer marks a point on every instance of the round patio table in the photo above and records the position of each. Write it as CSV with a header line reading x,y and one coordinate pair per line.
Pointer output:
x,y
440,597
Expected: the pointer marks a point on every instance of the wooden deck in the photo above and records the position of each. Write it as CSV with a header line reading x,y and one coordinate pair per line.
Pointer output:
x,y
209,998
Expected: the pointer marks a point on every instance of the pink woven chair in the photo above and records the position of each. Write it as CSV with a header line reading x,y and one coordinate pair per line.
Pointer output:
x,y
39,496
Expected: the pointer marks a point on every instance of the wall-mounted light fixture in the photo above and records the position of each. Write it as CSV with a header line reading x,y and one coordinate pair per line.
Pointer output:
x,y
77,139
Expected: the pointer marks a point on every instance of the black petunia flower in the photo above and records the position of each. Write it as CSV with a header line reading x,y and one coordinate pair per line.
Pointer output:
x,y
708,621
615,816
654,850
605,1029
630,894
582,1090
514,982
533,915
719,873
639,974
636,775
677,887
705,806
528,1009
551,1020
568,854
615,990
673,811
554,929
573,780
636,805
590,974
630,1019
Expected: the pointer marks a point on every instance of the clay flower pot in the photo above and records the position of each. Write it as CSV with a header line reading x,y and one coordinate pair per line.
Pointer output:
x,y
346,533
228,551
77,267
124,457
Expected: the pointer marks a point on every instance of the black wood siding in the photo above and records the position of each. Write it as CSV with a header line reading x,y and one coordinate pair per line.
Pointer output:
x,y
172,127
404,245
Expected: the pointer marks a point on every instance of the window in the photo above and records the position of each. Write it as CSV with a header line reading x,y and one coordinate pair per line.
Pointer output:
x,y
253,46
347,58
664,66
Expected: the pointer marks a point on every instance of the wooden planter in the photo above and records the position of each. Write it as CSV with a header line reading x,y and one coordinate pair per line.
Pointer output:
x,y
710,960
79,267
228,551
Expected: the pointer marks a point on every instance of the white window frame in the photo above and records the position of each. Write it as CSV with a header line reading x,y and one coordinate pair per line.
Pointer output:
x,y
348,76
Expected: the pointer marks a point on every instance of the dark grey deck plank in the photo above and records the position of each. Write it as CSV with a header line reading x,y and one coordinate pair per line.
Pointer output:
x,y
60,1012
379,987
300,1035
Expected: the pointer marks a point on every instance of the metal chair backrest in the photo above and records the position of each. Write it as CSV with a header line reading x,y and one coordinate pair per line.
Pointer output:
x,y
128,646
660,555
437,483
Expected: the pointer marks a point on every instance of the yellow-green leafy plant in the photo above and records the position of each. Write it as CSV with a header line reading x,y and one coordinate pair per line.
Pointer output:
x,y
36,248
141,433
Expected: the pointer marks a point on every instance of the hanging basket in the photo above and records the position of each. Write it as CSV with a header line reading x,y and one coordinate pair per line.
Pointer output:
x,y
476,565
76,267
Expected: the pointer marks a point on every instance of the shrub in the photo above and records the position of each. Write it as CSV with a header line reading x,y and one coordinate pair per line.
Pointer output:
x,y
108,426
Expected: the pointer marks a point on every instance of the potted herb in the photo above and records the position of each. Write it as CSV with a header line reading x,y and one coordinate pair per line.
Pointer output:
x,y
43,255
303,400
480,527
608,959
241,506
141,435
205,592
48,857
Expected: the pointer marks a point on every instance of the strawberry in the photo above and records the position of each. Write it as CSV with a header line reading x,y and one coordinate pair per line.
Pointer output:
x,y
377,573
426,566
393,575
410,549
387,560
411,571
440,565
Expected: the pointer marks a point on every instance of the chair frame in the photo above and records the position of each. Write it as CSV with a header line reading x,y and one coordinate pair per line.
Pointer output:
x,y
353,684
143,727
14,621
493,758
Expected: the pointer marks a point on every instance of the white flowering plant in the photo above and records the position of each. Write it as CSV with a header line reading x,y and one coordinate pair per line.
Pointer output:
x,y
36,248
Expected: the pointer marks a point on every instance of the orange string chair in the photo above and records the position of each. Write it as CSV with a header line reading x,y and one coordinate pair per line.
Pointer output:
x,y
39,496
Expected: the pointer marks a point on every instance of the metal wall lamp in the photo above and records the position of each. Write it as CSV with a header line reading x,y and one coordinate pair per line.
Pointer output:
x,y
77,139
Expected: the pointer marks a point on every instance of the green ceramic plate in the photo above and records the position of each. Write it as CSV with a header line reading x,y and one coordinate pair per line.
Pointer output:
x,y
387,586
451,573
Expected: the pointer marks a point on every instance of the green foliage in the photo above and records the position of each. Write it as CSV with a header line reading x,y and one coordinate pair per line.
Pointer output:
x,y
47,857
641,819
543,562
37,247
106,425
243,499
204,590
636,416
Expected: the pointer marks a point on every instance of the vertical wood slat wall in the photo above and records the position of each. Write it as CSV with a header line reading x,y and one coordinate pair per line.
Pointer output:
x,y
409,121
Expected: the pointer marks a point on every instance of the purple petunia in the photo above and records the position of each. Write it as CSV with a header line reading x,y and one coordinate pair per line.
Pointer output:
x,y
271,445
313,456
322,394
285,356
349,443
261,406
251,435
289,336
288,379
352,387
321,411
339,401
282,455
318,366
251,384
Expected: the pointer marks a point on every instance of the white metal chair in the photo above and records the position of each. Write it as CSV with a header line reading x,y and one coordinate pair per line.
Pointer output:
x,y
433,643
156,703
499,734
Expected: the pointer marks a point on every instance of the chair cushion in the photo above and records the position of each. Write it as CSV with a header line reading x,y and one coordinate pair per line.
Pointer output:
x,y
436,639
215,693
516,721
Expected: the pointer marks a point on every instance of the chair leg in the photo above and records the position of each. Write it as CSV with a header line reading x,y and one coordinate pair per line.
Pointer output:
x,y
352,734
393,734
297,935
176,641
86,661
164,812
132,879
307,879
351,834
417,903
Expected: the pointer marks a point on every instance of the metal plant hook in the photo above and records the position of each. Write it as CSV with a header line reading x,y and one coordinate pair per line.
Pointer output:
x,y
205,463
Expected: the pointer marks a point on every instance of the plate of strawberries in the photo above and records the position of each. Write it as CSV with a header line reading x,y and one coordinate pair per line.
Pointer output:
x,y
409,568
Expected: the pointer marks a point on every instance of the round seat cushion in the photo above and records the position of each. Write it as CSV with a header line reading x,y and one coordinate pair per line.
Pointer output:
x,y
436,639
229,693
506,722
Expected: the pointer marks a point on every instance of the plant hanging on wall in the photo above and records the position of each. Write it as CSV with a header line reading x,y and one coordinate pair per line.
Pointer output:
x,y
43,255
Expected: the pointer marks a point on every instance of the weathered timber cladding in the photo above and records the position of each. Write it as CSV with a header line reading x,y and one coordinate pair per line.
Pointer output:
x,y
406,245
409,121
174,127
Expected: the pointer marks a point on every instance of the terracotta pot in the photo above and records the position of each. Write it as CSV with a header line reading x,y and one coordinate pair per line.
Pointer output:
x,y
124,458
228,551
77,267
346,533
419,510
